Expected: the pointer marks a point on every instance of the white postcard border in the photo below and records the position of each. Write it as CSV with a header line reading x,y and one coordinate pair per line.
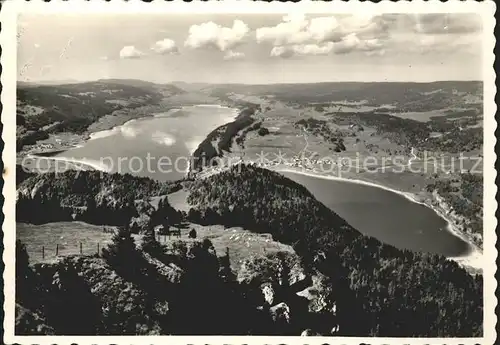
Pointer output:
x,y
8,15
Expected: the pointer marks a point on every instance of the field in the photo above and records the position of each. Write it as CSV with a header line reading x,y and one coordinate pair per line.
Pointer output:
x,y
67,236
178,200
240,243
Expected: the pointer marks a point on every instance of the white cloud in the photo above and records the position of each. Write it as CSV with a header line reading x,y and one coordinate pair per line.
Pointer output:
x,y
211,34
325,29
349,43
232,55
130,52
353,42
302,49
314,49
165,46
297,35
292,31
36,45
298,30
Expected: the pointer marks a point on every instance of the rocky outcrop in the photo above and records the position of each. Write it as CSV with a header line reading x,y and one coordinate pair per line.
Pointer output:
x,y
280,269
293,299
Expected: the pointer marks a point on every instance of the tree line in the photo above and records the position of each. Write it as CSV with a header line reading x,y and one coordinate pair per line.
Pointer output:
x,y
402,293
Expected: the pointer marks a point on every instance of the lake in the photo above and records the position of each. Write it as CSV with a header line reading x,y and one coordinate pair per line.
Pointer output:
x,y
158,147
385,215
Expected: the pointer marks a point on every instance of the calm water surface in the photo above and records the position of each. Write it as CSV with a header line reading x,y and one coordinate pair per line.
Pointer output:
x,y
166,141
170,138
385,215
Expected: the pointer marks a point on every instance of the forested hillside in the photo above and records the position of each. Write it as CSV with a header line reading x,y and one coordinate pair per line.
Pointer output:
x,y
221,138
91,196
182,287
401,292
378,289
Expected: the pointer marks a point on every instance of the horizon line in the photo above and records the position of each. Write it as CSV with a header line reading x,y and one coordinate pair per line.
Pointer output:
x,y
74,81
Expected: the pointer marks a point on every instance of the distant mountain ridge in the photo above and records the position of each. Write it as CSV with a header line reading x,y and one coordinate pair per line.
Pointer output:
x,y
49,82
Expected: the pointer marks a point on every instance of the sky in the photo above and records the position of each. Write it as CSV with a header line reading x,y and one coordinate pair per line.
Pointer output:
x,y
251,49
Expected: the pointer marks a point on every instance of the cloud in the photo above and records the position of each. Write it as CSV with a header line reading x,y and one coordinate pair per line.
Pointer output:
x,y
36,45
348,44
302,49
212,35
293,30
297,29
130,52
297,35
165,46
232,55
352,42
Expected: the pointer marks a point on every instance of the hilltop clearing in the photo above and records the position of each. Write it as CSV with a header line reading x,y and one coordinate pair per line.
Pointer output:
x,y
148,288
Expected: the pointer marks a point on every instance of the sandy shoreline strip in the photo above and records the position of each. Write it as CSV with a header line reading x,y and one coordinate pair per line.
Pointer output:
x,y
96,165
472,259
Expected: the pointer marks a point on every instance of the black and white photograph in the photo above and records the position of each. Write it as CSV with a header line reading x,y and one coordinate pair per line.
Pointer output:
x,y
249,170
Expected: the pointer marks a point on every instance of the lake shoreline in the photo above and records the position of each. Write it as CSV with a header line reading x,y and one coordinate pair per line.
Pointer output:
x,y
120,122
473,258
74,161
79,139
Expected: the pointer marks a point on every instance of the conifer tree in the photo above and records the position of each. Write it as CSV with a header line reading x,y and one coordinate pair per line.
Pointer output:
x,y
23,273
149,243
121,253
